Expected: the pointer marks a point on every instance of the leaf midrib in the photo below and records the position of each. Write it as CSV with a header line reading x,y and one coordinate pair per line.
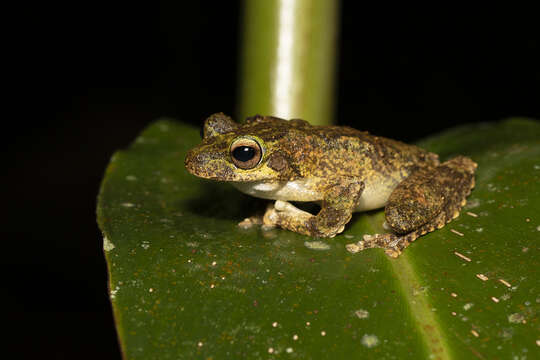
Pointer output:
x,y
428,326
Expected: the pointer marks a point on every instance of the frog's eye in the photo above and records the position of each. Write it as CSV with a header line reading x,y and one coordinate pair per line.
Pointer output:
x,y
246,153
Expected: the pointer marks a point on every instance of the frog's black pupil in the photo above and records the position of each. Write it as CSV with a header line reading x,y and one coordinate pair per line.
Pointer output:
x,y
244,153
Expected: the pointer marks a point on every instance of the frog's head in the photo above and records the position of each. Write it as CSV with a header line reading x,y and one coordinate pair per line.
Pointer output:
x,y
263,148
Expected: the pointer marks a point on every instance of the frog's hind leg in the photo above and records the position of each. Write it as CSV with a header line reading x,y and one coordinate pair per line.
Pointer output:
x,y
426,201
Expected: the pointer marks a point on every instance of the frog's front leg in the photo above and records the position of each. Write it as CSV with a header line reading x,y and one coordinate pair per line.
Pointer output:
x,y
337,206
425,201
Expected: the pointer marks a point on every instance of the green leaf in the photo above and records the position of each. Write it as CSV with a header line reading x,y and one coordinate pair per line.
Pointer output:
x,y
186,282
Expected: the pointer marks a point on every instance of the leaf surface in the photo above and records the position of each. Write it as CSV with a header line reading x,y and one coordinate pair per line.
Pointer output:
x,y
186,282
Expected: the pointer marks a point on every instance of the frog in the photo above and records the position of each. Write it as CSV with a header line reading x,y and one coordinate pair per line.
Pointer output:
x,y
341,169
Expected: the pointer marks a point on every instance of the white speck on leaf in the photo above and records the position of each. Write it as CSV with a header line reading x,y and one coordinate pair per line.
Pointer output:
x,y
114,292
370,340
482,277
128,205
492,187
361,314
131,178
468,306
316,245
457,232
472,204
516,318
107,244
462,256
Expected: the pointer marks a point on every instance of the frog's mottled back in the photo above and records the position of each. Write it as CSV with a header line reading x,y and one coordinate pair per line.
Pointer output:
x,y
293,149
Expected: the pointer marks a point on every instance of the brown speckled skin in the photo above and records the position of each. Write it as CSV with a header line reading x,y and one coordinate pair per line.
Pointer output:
x,y
339,162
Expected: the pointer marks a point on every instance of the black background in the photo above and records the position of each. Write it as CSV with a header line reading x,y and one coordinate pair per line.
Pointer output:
x,y
89,77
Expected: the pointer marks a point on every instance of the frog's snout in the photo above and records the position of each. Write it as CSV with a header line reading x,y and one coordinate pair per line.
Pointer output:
x,y
208,165
193,161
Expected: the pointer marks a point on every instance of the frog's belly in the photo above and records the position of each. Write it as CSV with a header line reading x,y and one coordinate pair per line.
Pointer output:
x,y
374,195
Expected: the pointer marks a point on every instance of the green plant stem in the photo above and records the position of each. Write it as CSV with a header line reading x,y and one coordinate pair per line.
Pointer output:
x,y
289,53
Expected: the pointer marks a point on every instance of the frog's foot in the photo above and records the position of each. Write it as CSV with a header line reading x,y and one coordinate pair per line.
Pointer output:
x,y
426,201
281,211
393,244
287,216
251,221
336,211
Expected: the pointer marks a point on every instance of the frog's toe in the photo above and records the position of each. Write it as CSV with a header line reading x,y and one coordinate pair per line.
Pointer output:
x,y
334,232
393,252
251,221
271,216
281,205
284,208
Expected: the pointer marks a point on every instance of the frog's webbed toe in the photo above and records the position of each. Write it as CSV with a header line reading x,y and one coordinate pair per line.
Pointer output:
x,y
395,243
